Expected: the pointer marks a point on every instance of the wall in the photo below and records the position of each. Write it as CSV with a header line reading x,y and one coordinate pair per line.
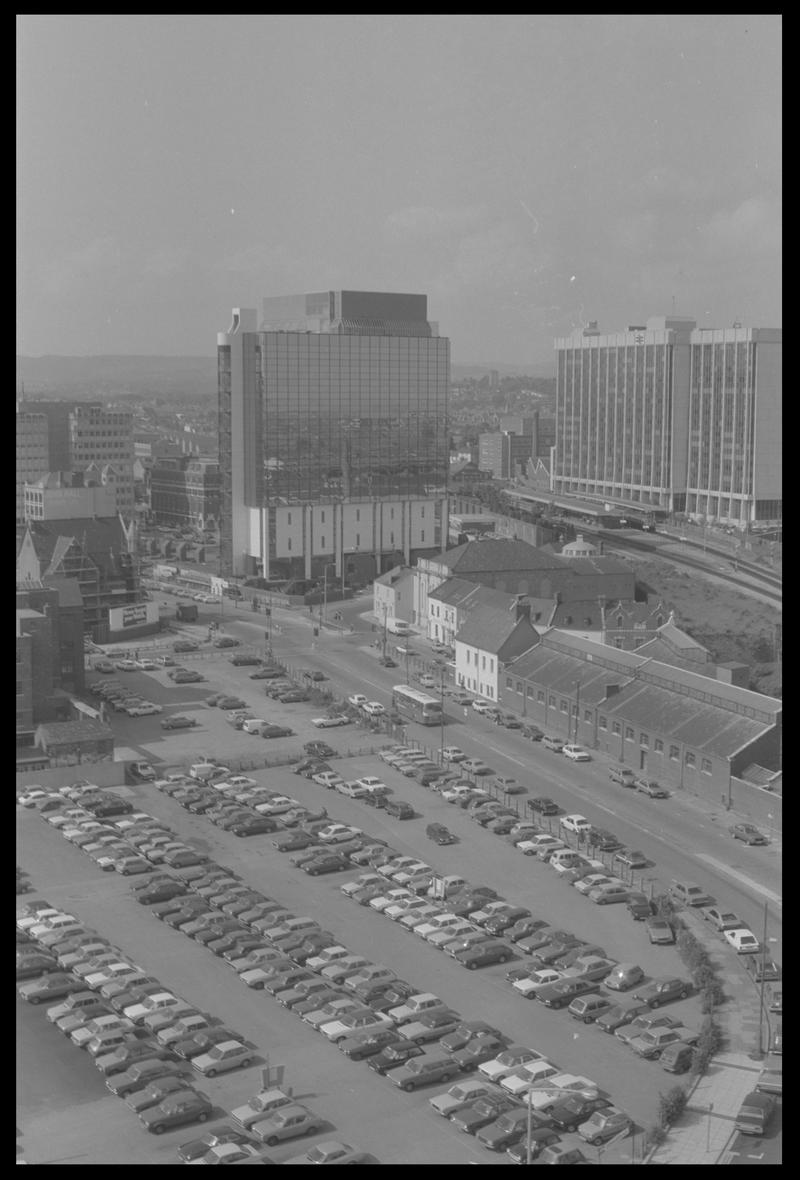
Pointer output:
x,y
102,774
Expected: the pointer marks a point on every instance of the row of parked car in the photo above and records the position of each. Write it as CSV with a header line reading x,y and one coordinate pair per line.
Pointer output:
x,y
141,1036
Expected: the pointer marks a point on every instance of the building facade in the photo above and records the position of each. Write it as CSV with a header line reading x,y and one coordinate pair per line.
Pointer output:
x,y
68,495
185,491
49,652
666,414
33,457
333,435
102,437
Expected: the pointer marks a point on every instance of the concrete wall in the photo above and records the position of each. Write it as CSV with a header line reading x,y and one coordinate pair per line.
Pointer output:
x,y
103,774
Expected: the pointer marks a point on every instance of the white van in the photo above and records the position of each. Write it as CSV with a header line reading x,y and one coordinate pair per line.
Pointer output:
x,y
398,626
253,725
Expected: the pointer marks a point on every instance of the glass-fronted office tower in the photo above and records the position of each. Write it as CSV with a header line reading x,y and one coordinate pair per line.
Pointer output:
x,y
669,415
333,435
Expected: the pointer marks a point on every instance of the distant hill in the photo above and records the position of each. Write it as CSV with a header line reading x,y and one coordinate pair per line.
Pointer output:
x,y
167,376
92,376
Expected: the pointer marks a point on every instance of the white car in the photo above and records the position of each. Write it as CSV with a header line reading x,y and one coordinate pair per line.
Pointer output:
x,y
330,722
278,806
742,940
574,823
330,954
373,709
158,1002
406,875
508,1062
528,1077
392,897
442,937
453,754
456,794
357,1022
427,681
586,884
550,1092
536,980
441,922
148,709
576,753
242,780
224,1056
352,790
483,706
541,843
358,699
111,973
30,796
405,905
337,833
397,865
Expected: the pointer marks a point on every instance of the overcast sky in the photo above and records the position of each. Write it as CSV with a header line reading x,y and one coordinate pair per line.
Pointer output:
x,y
527,173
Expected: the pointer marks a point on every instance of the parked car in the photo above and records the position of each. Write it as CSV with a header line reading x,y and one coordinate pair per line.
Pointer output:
x,y
660,932
748,834
661,991
651,788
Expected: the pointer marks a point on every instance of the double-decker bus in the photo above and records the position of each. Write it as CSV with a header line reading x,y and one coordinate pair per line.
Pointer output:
x,y
416,705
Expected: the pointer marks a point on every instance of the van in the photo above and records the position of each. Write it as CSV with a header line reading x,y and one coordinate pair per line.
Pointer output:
x,y
109,1041
588,1008
253,725
677,1058
443,886
689,893
623,976
399,809
398,626
755,1113
439,834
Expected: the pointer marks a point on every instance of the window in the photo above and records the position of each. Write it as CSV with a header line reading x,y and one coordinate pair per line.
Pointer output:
x,y
658,746
628,733
483,663
619,620
358,515
358,540
602,722
422,536
552,701
491,664
288,518
519,686
587,714
616,728
422,513
322,542
322,518
690,759
540,696
705,766
510,683
563,705
289,544
644,739
618,644
673,753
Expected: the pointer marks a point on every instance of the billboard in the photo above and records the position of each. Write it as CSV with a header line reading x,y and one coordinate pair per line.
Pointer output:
x,y
122,617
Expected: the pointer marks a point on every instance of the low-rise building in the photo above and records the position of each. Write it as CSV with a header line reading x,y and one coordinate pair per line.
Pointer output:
x,y
492,636
393,594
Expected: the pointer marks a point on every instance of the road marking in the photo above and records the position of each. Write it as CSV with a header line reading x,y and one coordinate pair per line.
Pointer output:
x,y
760,1156
723,868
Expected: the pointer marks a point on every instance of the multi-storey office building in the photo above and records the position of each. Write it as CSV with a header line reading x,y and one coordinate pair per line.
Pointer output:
x,y
681,418
333,444
104,437
184,490
33,459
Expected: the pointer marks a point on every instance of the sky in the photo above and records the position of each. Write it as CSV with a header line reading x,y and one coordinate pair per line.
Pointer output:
x,y
528,173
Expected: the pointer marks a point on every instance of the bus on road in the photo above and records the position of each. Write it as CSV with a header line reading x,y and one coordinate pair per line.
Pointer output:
x,y
416,705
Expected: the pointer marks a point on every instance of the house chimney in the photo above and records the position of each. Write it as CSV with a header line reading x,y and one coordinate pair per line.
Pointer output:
x,y
522,610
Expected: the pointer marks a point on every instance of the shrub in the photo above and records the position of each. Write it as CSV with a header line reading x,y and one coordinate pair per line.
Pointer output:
x,y
671,1105
655,1135
708,1045
713,995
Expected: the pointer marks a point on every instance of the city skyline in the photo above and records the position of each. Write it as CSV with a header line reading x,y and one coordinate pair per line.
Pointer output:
x,y
528,173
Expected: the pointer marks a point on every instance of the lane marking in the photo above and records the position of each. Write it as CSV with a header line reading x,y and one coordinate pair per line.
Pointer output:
x,y
723,868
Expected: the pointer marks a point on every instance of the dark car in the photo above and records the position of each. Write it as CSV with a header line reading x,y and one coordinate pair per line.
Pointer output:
x,y
510,1128
226,641
230,703
319,750
184,645
440,834
331,862
191,1047
254,826
178,722
482,1112
564,991
187,1106
541,1138
195,1149
164,891
364,1045
659,931
483,954
242,660
525,928
639,906
393,1056
604,840
568,1115
124,1056
467,1032
543,806
276,731
661,991
748,834
188,677
293,696
480,1049
501,922
619,1015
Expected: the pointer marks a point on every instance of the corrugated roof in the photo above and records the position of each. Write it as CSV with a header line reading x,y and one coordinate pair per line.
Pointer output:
x,y
453,591
58,732
656,649
700,726
556,672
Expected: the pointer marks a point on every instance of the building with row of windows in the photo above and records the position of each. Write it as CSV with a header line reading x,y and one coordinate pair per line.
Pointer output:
x,y
74,436
333,444
49,653
71,495
185,490
682,418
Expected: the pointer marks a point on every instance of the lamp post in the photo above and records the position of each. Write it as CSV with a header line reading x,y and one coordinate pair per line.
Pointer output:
x,y
761,1015
442,668
577,707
